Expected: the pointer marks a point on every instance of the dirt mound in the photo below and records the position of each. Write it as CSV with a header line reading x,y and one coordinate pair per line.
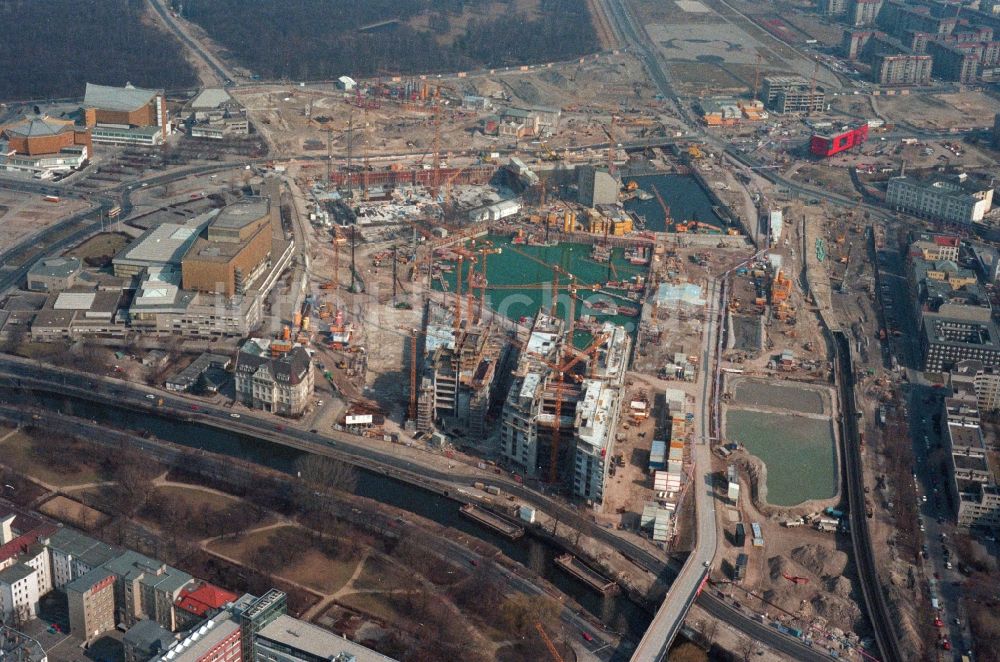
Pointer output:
x,y
836,610
839,586
819,561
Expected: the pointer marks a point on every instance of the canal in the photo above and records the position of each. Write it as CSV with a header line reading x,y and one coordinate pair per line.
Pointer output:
x,y
616,611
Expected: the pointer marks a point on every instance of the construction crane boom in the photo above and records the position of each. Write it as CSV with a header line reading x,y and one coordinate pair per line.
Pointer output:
x,y
556,657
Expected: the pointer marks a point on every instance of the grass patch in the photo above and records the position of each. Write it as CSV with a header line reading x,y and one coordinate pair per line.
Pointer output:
x,y
27,455
381,574
244,546
317,571
386,607
307,566
97,251
196,499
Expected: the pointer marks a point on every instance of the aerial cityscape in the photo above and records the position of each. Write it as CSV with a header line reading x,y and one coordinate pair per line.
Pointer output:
x,y
542,330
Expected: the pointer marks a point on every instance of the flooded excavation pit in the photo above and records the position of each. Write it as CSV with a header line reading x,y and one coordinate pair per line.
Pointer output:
x,y
790,429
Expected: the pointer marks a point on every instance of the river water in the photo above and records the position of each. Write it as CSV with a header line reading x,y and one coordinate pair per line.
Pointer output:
x,y
616,611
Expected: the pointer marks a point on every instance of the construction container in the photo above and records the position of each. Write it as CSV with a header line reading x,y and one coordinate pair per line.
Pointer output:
x,y
658,455
526,514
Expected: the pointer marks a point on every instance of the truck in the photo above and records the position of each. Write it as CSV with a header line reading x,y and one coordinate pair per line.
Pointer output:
x,y
51,198
833,512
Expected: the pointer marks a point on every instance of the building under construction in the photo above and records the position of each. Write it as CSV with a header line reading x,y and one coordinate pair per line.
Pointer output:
x,y
562,410
462,373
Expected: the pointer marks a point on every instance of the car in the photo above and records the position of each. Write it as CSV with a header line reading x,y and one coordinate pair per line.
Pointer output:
x,y
150,396
195,407
945,644
938,623
957,621
586,636
234,415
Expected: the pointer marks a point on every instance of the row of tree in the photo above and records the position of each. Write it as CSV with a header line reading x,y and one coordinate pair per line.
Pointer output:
x,y
312,39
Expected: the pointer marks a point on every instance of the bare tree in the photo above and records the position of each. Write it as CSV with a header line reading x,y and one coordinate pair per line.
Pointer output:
x,y
327,473
747,647
709,630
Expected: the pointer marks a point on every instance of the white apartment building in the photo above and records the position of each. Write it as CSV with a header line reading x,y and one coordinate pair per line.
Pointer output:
x,y
956,200
18,593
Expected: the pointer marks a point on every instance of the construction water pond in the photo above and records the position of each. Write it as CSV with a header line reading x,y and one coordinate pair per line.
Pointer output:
x,y
520,282
686,199
790,430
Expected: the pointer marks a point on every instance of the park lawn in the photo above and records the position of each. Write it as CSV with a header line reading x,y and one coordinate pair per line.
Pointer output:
x,y
241,547
381,574
319,572
197,499
384,606
17,454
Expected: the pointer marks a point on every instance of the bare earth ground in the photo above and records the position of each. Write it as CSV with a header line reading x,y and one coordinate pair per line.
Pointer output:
x,y
939,111
24,214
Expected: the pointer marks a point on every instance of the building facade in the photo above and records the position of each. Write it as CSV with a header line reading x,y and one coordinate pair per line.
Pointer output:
x,y
955,200
126,115
91,600
948,341
891,70
275,376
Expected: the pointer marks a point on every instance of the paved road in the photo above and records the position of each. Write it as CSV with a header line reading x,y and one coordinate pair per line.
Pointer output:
x,y
656,642
217,67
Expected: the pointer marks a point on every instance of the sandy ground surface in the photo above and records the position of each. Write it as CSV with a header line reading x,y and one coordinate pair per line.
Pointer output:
x,y
24,214
297,120
939,111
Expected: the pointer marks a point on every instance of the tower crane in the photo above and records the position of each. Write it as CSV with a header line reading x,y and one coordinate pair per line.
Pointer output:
x,y
558,385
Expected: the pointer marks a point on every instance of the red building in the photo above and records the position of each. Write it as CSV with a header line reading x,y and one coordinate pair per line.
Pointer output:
x,y
829,145
201,602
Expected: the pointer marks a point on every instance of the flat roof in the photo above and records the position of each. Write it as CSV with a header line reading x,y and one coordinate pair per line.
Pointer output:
x,y
242,213
74,301
313,640
201,640
165,244
211,97
55,267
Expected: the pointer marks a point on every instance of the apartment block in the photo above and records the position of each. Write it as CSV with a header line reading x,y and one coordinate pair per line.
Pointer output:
x,y
91,600
980,381
900,70
974,483
73,555
953,199
863,12
954,62
146,589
